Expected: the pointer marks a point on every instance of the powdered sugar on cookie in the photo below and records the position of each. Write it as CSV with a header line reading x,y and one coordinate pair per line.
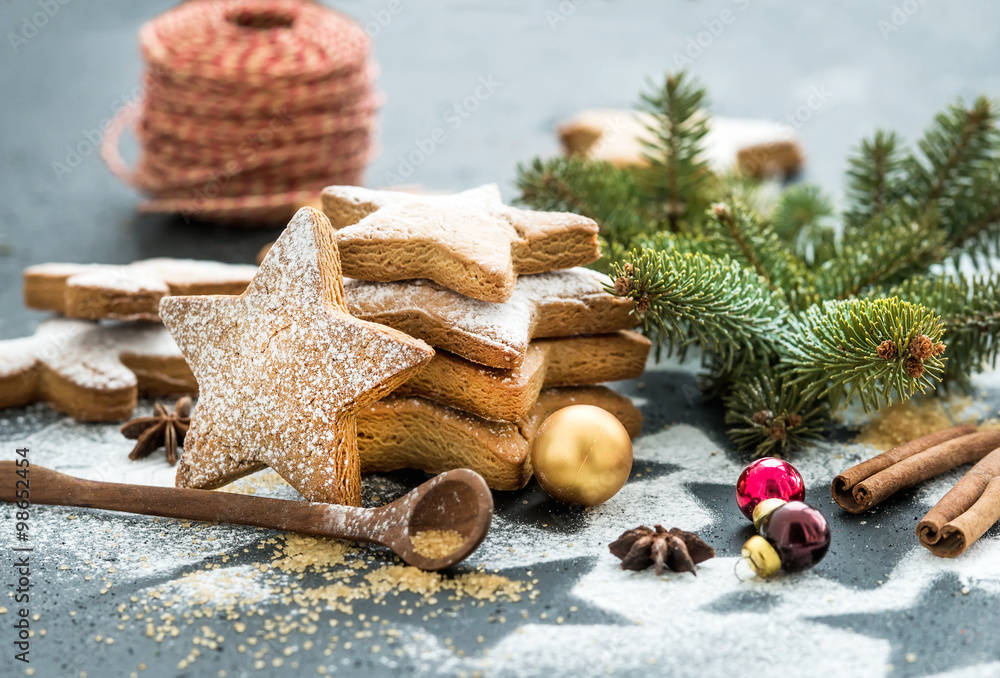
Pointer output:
x,y
128,292
90,354
469,242
89,370
283,369
556,304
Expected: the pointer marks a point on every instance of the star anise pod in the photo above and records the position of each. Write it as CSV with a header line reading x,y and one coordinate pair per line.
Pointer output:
x,y
164,429
676,549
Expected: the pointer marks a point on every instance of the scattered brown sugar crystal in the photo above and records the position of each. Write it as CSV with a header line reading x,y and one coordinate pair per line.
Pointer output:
x,y
903,422
394,579
301,552
353,576
436,543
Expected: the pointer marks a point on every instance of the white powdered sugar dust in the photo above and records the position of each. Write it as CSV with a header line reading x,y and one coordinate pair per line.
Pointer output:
x,y
676,625
85,353
510,325
148,275
283,368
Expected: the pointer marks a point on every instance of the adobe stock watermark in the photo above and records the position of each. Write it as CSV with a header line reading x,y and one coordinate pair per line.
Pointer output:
x,y
21,556
31,24
714,28
761,160
381,18
816,99
561,14
898,17
453,119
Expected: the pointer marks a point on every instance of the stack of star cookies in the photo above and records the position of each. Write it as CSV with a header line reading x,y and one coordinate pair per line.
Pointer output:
x,y
519,329
292,371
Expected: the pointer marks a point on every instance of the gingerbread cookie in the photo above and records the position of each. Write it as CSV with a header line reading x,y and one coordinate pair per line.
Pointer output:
x,y
401,432
556,304
90,371
129,292
469,242
509,395
283,370
758,147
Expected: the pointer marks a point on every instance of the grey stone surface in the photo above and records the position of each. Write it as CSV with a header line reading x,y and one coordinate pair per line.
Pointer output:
x,y
551,59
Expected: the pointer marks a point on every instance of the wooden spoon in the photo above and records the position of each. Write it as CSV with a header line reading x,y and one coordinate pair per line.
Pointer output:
x,y
457,500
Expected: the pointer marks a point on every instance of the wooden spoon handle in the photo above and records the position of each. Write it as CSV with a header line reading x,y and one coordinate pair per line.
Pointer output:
x,y
327,520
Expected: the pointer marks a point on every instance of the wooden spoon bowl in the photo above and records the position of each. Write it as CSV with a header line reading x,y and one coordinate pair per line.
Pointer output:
x,y
458,501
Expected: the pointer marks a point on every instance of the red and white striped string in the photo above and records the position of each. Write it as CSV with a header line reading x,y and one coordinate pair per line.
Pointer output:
x,y
250,108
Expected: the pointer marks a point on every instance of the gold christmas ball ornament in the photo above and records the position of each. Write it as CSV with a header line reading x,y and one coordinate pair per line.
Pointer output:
x,y
582,455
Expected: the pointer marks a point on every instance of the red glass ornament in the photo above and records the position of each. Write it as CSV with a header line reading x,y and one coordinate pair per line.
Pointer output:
x,y
799,533
768,478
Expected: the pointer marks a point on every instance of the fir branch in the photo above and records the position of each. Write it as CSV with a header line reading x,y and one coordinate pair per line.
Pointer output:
x,y
976,214
743,230
758,196
970,311
954,175
873,179
802,207
954,147
678,176
735,231
684,297
768,414
957,173
874,350
893,246
774,303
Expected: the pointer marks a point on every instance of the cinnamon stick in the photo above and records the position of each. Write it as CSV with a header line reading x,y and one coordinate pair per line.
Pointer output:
x,y
864,486
966,512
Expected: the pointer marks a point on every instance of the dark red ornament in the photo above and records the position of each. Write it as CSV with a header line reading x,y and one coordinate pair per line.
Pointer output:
x,y
793,537
768,478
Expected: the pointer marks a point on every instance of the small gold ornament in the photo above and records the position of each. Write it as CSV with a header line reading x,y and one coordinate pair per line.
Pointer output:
x,y
582,455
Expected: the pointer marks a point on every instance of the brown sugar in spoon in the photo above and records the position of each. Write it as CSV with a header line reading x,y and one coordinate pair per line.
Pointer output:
x,y
457,500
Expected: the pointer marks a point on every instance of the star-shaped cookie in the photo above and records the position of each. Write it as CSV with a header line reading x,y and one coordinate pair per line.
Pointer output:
x,y
556,304
92,371
508,395
469,242
128,292
283,369
760,148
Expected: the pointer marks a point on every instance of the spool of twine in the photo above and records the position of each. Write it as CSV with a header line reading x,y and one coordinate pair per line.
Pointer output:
x,y
250,108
